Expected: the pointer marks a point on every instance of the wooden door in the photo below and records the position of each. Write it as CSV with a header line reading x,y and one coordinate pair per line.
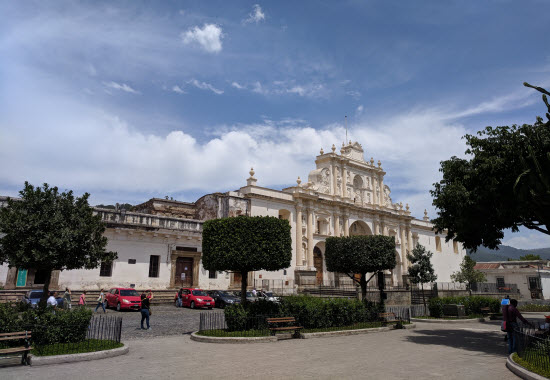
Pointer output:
x,y
318,264
184,272
237,280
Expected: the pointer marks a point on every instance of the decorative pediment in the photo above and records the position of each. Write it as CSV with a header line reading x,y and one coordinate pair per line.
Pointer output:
x,y
319,180
353,151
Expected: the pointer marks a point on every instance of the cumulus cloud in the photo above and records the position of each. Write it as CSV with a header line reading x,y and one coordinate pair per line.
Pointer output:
x,y
205,86
209,37
238,86
528,239
255,16
120,86
307,90
178,89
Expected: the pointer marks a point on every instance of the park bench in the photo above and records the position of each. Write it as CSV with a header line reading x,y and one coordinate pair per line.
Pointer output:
x,y
386,318
274,325
26,335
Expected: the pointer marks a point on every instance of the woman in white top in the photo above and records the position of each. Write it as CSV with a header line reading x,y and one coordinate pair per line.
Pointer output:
x,y
101,301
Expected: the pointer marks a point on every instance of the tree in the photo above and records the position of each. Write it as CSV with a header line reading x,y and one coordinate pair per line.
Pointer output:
x,y
47,230
244,244
527,257
421,271
360,255
505,184
467,274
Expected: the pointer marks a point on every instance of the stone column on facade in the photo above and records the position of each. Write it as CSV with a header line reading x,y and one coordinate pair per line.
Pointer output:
x,y
384,229
374,196
381,197
409,244
310,237
334,180
376,226
299,258
403,248
336,224
344,182
346,225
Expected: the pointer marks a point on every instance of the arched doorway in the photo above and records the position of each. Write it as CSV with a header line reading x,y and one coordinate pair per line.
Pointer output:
x,y
359,228
318,264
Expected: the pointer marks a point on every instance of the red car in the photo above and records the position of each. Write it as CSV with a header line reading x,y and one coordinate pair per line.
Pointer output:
x,y
123,298
196,298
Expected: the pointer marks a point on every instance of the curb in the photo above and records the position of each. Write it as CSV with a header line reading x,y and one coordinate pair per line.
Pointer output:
x,y
57,359
447,320
268,339
213,339
521,371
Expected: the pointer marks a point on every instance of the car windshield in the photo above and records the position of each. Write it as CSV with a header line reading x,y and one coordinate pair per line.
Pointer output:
x,y
36,295
249,294
225,294
268,294
129,293
198,293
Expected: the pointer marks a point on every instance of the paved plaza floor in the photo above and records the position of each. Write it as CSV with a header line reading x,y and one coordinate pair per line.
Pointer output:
x,y
431,351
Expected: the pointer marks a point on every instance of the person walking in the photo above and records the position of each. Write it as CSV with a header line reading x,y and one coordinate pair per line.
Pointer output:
x,y
82,300
67,299
101,301
150,295
52,302
510,316
180,298
145,311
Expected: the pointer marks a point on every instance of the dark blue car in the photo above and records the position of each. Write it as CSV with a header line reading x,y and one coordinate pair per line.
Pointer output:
x,y
32,297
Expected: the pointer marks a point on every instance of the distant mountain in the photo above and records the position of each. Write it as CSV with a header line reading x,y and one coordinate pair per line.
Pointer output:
x,y
505,252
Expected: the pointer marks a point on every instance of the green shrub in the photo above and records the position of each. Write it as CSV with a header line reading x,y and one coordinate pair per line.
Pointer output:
x,y
472,304
236,317
534,307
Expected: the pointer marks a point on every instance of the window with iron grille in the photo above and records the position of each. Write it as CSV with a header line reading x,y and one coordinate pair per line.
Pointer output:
x,y
500,282
106,269
534,283
154,266
212,274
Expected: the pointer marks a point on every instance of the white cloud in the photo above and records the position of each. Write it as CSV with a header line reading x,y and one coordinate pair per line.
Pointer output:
x,y
354,94
527,239
178,89
255,16
359,110
238,86
181,12
205,86
120,86
209,37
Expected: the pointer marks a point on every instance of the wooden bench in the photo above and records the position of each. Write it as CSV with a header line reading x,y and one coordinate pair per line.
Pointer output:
x,y
283,320
26,335
389,318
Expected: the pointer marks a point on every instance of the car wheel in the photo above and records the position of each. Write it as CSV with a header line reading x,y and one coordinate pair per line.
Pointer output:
x,y
192,306
118,306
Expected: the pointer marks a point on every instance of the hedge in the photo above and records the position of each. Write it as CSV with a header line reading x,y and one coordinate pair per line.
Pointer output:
x,y
472,304
310,312
65,326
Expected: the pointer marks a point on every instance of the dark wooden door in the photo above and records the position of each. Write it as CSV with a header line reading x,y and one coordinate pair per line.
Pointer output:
x,y
184,272
318,264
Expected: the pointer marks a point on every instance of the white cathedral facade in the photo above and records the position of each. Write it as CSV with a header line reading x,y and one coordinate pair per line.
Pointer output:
x,y
159,244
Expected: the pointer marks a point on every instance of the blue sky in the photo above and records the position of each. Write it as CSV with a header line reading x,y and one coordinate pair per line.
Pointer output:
x,y
130,100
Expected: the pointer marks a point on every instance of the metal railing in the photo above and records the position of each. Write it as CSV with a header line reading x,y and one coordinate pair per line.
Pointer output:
x,y
533,346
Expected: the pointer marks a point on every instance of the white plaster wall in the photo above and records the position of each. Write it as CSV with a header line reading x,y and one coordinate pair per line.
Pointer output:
x,y
545,282
445,262
3,274
220,282
520,278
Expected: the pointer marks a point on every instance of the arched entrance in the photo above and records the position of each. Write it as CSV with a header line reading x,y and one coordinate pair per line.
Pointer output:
x,y
318,264
359,228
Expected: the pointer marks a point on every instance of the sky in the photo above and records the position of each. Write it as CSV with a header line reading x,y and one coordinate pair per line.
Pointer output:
x,y
131,100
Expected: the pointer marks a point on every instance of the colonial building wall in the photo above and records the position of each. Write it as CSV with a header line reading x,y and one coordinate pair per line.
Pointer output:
x,y
3,274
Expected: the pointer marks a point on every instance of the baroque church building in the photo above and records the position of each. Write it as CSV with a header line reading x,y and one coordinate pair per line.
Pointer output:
x,y
159,242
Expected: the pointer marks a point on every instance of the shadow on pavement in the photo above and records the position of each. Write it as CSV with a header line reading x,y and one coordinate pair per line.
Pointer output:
x,y
481,341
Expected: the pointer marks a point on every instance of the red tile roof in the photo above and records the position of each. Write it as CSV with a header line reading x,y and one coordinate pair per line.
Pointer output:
x,y
487,266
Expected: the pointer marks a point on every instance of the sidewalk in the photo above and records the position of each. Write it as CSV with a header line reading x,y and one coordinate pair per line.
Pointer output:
x,y
468,351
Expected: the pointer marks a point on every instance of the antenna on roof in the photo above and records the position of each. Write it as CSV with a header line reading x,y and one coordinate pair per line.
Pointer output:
x,y
346,119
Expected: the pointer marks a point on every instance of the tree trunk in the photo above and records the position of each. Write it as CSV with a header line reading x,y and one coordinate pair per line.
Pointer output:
x,y
423,298
244,284
46,288
363,283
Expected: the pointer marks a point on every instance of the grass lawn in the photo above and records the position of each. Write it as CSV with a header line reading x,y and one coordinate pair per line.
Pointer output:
x,y
90,345
452,318
532,366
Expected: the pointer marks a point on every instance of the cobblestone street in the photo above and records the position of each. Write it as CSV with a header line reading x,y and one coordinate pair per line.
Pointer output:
x,y
166,320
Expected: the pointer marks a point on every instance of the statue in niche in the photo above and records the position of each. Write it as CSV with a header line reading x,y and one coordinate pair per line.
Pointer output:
x,y
377,192
387,198
368,198
325,181
348,176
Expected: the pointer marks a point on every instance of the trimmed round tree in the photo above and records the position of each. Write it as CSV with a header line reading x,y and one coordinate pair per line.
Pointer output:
x,y
245,244
360,255
49,230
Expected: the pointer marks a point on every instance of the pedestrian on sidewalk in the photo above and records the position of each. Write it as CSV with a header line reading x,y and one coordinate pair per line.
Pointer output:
x,y
180,298
145,311
82,300
510,315
52,302
101,301
67,299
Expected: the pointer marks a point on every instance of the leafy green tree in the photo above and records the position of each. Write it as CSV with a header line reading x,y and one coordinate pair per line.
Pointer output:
x,y
48,230
527,257
505,184
467,274
360,255
244,244
421,270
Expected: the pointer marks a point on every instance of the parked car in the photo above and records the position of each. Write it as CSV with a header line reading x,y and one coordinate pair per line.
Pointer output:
x,y
32,298
250,297
194,298
123,298
223,298
268,296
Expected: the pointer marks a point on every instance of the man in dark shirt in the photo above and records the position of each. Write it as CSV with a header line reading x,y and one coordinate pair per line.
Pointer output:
x,y
145,311
510,315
